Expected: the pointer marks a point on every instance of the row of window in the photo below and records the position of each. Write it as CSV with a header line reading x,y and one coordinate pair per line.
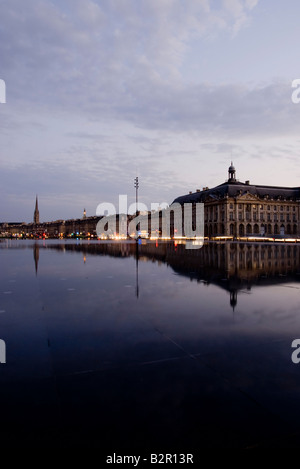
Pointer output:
x,y
243,256
263,229
262,217
248,207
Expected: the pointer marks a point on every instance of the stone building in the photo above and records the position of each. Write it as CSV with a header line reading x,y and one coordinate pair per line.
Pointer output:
x,y
237,208
232,209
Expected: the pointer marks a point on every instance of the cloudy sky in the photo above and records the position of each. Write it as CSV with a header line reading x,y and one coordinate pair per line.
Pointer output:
x,y
99,91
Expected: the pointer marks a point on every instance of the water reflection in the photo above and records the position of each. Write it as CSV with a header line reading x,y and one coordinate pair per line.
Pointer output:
x,y
36,256
233,267
137,268
140,339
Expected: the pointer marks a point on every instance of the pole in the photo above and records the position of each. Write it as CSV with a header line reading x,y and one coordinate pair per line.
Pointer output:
x,y
136,185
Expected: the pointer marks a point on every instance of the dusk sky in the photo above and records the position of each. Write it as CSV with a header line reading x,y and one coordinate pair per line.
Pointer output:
x,y
101,91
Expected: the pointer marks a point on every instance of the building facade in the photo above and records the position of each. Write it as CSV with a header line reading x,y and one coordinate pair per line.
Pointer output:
x,y
232,209
240,209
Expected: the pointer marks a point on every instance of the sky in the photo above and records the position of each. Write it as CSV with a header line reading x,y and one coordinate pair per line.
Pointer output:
x,y
101,91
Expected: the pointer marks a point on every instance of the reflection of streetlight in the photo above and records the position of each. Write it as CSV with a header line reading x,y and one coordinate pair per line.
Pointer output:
x,y
136,185
137,268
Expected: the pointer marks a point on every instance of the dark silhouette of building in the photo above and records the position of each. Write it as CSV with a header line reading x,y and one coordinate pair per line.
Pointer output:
x,y
36,215
36,256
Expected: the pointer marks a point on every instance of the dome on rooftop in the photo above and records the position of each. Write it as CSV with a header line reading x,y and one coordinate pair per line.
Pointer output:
x,y
231,173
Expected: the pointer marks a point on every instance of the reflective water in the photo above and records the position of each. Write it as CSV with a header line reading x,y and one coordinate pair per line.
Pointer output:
x,y
159,347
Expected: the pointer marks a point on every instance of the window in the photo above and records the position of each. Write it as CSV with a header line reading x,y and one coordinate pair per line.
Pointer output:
x,y
281,208
240,205
230,215
216,213
231,206
275,208
268,208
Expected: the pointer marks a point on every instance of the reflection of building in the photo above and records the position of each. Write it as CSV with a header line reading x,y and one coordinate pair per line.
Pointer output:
x,y
36,256
232,266
238,209
238,266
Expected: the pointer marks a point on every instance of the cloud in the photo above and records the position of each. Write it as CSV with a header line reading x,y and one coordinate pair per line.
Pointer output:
x,y
228,109
239,10
83,54
120,60
100,90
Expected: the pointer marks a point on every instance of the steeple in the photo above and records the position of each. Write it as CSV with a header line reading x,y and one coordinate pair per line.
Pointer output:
x,y
36,215
231,173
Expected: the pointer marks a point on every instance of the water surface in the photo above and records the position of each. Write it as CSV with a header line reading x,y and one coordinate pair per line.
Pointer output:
x,y
162,347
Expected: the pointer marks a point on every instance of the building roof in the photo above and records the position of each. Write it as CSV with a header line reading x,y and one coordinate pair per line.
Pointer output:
x,y
233,188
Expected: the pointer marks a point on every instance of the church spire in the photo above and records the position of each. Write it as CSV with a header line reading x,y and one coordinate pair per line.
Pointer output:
x,y
36,215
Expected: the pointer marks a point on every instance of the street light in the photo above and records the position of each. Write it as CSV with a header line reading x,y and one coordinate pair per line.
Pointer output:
x,y
136,185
